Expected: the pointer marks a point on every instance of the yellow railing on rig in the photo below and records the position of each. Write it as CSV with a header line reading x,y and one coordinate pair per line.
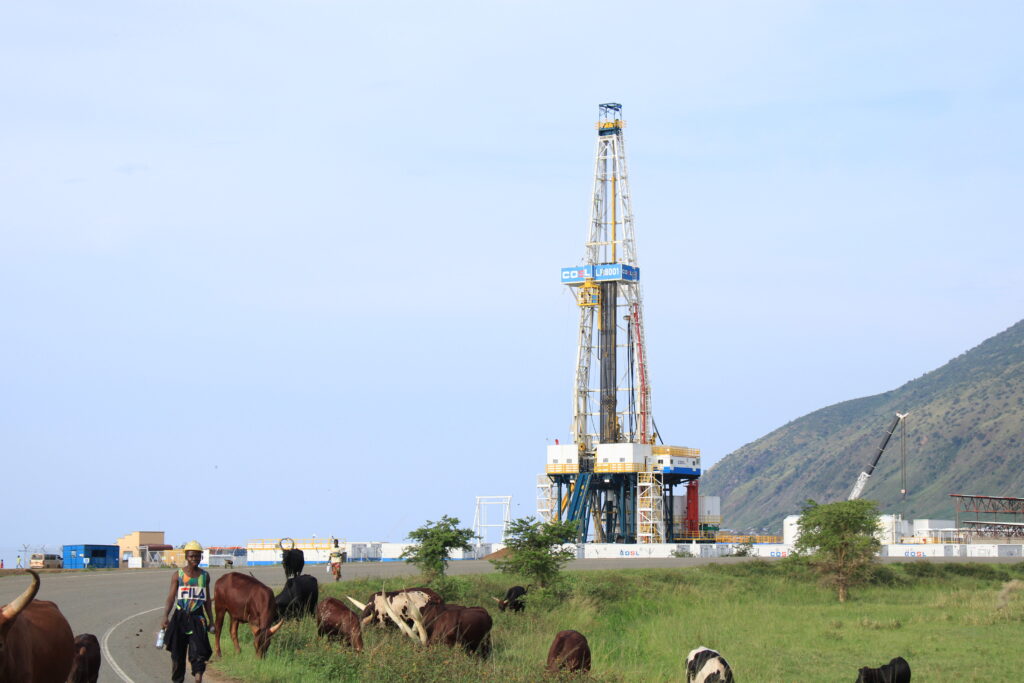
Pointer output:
x,y
734,538
303,543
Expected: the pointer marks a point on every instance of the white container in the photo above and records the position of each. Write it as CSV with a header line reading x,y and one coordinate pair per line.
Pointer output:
x,y
622,457
563,459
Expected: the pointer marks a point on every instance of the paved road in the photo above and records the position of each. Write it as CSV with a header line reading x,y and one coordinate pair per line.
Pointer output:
x,y
122,607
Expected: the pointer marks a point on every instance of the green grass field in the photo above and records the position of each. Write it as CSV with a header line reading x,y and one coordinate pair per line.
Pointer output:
x,y
771,620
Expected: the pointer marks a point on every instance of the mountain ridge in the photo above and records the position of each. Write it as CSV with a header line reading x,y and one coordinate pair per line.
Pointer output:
x,y
965,434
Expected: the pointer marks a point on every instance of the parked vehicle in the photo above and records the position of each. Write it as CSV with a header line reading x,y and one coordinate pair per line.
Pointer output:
x,y
45,561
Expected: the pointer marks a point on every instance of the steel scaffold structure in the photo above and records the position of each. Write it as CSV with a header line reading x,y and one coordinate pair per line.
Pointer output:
x,y
614,479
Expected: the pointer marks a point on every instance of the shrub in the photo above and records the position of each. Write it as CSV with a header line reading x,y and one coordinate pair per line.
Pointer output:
x,y
434,541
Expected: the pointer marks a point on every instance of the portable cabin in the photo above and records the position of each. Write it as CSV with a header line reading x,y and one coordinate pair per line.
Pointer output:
x,y
88,556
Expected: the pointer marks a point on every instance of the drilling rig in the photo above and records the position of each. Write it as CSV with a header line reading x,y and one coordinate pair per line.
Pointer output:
x,y
618,478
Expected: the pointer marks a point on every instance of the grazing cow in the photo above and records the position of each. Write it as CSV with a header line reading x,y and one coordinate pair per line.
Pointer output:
x,y
293,560
513,599
335,620
248,601
36,643
86,666
570,651
374,609
896,671
704,665
299,596
451,625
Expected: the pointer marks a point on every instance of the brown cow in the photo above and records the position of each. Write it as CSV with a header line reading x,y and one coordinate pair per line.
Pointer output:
x,y
335,620
569,651
450,625
36,643
248,601
86,667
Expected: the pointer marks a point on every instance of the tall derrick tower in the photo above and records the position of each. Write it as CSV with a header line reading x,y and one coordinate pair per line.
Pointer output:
x,y
614,474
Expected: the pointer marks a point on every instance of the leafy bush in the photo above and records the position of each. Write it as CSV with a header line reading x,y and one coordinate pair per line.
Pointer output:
x,y
537,549
433,542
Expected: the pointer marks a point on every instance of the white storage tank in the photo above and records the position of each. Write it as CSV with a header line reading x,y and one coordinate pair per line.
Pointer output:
x,y
790,529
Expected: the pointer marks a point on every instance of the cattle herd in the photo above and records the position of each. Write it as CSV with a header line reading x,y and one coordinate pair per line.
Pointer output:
x,y
36,642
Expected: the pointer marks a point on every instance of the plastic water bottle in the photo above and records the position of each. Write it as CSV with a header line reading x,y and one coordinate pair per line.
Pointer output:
x,y
160,638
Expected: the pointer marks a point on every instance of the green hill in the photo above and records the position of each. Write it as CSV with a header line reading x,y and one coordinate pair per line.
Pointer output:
x,y
965,434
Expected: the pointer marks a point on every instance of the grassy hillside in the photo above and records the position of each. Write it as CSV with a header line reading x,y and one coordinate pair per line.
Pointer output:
x,y
965,434
770,620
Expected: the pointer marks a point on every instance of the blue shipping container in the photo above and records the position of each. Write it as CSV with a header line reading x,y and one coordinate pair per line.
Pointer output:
x,y
98,556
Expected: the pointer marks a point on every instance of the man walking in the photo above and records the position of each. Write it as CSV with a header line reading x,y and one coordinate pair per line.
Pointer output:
x,y
186,629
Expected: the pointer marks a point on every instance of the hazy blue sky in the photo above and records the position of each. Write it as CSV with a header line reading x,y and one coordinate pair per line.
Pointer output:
x,y
275,268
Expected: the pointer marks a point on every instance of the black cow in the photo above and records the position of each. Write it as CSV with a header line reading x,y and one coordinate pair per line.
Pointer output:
x,y
704,665
293,560
896,671
299,596
513,599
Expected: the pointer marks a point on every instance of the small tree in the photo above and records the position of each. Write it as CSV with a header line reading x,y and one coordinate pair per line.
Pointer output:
x,y
839,539
535,549
433,542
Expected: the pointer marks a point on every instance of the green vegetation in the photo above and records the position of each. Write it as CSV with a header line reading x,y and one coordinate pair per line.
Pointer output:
x,y
772,621
839,540
433,543
963,436
536,549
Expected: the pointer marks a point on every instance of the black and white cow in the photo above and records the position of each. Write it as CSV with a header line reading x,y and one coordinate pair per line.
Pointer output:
x,y
704,665
896,671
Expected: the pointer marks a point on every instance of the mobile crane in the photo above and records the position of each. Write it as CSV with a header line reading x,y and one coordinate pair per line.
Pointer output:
x,y
862,479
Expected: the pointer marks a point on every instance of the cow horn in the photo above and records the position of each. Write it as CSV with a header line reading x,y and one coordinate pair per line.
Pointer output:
x,y
273,629
10,611
360,606
398,620
497,600
417,620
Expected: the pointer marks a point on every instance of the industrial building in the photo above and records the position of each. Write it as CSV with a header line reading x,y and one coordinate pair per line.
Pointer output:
x,y
617,478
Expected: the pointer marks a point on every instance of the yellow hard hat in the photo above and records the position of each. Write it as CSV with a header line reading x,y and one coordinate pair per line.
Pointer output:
x,y
193,545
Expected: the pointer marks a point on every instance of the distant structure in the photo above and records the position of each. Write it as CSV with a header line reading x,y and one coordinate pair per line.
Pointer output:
x,y
617,478
989,517
480,520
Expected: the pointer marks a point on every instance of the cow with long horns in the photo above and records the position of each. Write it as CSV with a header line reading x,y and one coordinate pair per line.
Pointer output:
x,y
298,597
374,609
36,642
513,599
451,625
248,601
